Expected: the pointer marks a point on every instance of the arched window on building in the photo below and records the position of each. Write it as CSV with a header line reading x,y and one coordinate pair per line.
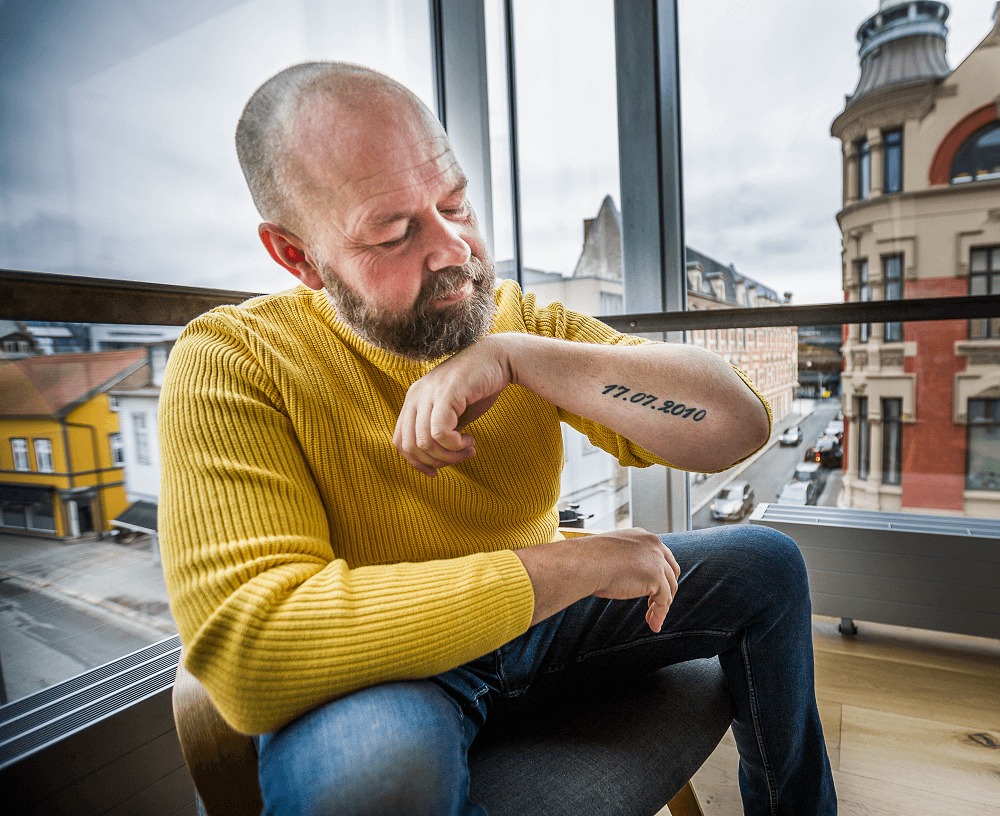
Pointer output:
x,y
979,157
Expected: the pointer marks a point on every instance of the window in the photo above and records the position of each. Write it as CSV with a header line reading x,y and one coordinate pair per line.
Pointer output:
x,y
864,437
892,273
19,447
892,441
864,295
892,181
979,158
43,455
112,403
611,303
142,452
983,469
117,450
984,279
40,515
864,170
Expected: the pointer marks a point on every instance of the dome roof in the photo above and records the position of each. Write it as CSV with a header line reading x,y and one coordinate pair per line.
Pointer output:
x,y
904,41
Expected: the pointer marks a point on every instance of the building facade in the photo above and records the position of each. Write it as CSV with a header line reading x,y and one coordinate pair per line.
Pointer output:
x,y
921,218
61,456
592,479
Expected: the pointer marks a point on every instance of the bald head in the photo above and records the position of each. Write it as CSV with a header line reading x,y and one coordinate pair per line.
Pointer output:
x,y
315,113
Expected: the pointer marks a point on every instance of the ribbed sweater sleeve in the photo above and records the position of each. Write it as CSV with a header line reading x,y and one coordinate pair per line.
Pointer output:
x,y
273,619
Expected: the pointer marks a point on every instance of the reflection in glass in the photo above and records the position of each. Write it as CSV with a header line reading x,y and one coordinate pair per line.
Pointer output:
x,y
117,138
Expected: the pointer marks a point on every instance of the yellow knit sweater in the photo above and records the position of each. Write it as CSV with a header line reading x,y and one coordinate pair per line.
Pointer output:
x,y
304,558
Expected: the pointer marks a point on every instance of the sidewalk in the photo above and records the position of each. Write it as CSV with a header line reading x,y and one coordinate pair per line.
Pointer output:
x,y
703,492
125,580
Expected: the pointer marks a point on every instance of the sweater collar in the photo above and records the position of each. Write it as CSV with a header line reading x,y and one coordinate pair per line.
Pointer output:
x,y
385,360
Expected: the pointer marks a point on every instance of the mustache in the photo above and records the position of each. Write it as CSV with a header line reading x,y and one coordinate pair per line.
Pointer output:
x,y
450,279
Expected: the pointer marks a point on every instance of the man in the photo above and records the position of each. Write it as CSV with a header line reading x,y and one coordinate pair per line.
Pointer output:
x,y
360,479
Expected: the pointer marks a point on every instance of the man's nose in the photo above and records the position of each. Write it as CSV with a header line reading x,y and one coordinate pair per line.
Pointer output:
x,y
447,246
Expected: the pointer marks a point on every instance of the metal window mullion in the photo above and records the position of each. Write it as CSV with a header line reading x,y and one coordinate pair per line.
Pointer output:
x,y
653,252
458,30
515,162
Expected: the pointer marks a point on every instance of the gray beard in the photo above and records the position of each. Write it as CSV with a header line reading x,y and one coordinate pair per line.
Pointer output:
x,y
426,332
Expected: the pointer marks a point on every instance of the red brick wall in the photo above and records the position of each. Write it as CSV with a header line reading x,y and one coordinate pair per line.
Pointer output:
x,y
934,446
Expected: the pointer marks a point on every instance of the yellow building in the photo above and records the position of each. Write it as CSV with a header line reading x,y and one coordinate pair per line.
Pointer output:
x,y
61,471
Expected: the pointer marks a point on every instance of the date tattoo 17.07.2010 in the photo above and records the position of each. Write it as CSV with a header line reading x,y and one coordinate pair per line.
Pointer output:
x,y
644,400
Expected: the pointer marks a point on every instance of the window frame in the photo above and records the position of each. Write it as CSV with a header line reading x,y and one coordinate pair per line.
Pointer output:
x,y
864,160
141,436
892,441
971,427
865,295
19,453
43,458
864,437
892,288
892,161
984,328
117,447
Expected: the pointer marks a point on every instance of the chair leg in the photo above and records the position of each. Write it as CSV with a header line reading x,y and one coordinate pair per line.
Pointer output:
x,y
685,803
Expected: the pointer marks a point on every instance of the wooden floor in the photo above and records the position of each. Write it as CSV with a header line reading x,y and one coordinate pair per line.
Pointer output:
x,y
912,724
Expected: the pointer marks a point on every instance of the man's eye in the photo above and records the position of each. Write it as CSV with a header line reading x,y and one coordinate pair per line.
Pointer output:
x,y
394,242
460,210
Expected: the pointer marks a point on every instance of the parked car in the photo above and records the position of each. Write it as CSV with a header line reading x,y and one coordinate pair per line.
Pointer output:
x,y
827,451
790,436
811,472
798,493
733,502
834,428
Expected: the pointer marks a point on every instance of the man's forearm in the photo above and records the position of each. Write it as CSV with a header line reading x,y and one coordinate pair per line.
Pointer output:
x,y
680,402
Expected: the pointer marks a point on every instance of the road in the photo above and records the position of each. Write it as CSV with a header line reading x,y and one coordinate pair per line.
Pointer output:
x,y
45,639
773,470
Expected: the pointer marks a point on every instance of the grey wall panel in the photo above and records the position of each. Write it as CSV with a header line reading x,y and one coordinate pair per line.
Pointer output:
x,y
905,569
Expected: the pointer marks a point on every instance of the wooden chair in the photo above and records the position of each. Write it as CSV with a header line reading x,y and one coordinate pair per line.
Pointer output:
x,y
627,752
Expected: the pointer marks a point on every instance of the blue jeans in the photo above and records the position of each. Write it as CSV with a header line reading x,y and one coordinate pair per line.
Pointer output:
x,y
743,595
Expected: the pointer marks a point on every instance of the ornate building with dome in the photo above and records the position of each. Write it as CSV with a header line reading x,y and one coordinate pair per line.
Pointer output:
x,y
921,219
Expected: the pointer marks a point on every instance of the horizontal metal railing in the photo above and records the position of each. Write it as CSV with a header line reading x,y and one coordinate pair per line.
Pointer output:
x,y
79,299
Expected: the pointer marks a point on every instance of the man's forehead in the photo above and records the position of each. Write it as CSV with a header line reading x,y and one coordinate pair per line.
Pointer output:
x,y
388,193
370,154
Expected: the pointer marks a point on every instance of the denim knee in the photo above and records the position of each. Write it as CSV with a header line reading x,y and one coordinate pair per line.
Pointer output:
x,y
776,553
398,748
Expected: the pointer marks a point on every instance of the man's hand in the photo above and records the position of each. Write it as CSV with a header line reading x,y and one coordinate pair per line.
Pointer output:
x,y
621,564
440,404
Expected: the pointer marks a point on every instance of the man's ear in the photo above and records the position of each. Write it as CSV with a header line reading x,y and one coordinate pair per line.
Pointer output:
x,y
288,251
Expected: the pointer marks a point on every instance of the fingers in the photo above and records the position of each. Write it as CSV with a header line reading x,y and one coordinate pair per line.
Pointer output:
x,y
428,439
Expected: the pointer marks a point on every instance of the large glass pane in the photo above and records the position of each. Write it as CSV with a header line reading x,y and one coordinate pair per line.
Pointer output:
x,y
788,164
116,152
912,429
78,533
117,161
783,130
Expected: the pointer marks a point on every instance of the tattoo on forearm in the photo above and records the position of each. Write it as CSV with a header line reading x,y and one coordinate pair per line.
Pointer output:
x,y
644,400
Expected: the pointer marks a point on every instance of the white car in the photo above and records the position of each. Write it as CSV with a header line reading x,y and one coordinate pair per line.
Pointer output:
x,y
798,493
811,472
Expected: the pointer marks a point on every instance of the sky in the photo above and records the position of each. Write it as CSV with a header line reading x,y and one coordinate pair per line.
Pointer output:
x,y
116,153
